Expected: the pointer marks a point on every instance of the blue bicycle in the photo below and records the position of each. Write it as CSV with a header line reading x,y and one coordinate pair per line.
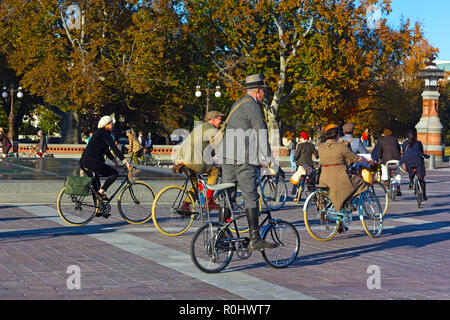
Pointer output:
x,y
323,221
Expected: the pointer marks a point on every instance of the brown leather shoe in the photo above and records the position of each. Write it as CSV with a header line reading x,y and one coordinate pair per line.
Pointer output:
x,y
212,205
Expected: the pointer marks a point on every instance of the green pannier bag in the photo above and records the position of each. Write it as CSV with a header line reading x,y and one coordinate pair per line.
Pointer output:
x,y
77,186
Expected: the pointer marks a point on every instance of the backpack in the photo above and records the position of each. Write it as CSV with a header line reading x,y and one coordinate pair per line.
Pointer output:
x,y
77,186
347,143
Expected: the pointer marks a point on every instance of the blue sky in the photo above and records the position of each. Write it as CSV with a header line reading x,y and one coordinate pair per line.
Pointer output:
x,y
434,16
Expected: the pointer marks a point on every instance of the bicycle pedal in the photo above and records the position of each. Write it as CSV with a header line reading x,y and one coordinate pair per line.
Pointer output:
x,y
106,215
186,214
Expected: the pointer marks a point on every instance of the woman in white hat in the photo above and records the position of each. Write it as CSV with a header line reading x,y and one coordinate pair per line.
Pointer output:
x,y
93,158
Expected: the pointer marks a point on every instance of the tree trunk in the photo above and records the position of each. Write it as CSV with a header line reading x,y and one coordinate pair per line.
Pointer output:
x,y
73,133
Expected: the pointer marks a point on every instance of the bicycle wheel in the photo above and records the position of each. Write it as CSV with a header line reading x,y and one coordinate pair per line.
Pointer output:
x,y
211,251
153,160
135,202
274,192
392,190
371,214
417,191
315,210
286,237
172,215
76,210
382,195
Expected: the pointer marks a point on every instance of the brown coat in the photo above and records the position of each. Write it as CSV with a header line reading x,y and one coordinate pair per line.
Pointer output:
x,y
333,156
134,144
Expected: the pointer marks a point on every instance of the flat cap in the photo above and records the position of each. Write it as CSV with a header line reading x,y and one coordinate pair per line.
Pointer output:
x,y
104,121
213,114
348,127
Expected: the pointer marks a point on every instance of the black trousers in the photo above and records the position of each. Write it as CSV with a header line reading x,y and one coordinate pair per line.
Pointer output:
x,y
101,170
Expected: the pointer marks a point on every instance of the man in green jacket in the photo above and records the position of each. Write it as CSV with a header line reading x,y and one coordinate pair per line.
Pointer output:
x,y
196,156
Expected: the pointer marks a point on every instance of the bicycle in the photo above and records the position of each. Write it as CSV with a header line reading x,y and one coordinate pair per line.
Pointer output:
x,y
213,245
308,181
148,160
134,201
393,184
372,176
273,188
417,187
322,221
174,208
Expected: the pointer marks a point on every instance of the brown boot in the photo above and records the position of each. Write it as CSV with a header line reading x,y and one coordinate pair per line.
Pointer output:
x,y
212,205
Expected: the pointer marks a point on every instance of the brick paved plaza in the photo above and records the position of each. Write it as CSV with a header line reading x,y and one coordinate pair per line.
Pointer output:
x,y
38,254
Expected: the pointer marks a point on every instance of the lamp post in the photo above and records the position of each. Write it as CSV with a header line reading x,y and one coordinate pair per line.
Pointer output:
x,y
429,128
198,94
10,92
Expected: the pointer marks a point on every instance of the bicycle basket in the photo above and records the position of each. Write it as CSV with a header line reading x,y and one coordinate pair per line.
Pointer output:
x,y
367,175
77,186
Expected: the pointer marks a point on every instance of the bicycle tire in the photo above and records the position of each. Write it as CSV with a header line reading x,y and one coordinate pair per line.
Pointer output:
x,y
287,239
208,251
417,191
72,209
153,160
276,191
382,195
371,214
167,217
315,210
135,202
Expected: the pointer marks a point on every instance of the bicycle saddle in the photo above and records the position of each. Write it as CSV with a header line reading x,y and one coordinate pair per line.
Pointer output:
x,y
221,186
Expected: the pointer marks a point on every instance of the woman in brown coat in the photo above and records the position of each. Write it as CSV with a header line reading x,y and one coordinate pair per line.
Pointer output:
x,y
333,158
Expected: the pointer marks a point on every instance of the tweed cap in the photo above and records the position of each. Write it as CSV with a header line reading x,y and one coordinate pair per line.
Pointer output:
x,y
348,127
213,114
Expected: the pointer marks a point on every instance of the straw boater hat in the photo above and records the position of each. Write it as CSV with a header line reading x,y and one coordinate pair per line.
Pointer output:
x,y
255,81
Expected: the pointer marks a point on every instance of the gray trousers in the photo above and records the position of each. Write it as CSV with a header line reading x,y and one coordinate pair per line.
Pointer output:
x,y
245,176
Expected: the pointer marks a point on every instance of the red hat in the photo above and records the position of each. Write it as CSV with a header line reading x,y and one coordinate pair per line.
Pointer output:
x,y
304,135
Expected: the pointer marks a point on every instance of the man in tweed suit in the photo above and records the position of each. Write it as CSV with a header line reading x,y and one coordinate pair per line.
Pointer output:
x,y
244,144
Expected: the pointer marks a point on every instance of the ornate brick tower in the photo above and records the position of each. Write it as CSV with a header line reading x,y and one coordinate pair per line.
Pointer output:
x,y
429,128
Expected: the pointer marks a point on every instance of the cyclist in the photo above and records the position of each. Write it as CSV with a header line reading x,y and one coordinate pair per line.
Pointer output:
x,y
388,149
303,159
192,155
245,142
334,156
93,158
354,144
134,145
413,156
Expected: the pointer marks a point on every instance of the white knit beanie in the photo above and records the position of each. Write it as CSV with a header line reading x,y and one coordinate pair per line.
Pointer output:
x,y
104,121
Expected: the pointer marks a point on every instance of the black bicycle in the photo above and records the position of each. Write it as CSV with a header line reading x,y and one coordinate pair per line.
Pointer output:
x,y
417,187
134,201
214,244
